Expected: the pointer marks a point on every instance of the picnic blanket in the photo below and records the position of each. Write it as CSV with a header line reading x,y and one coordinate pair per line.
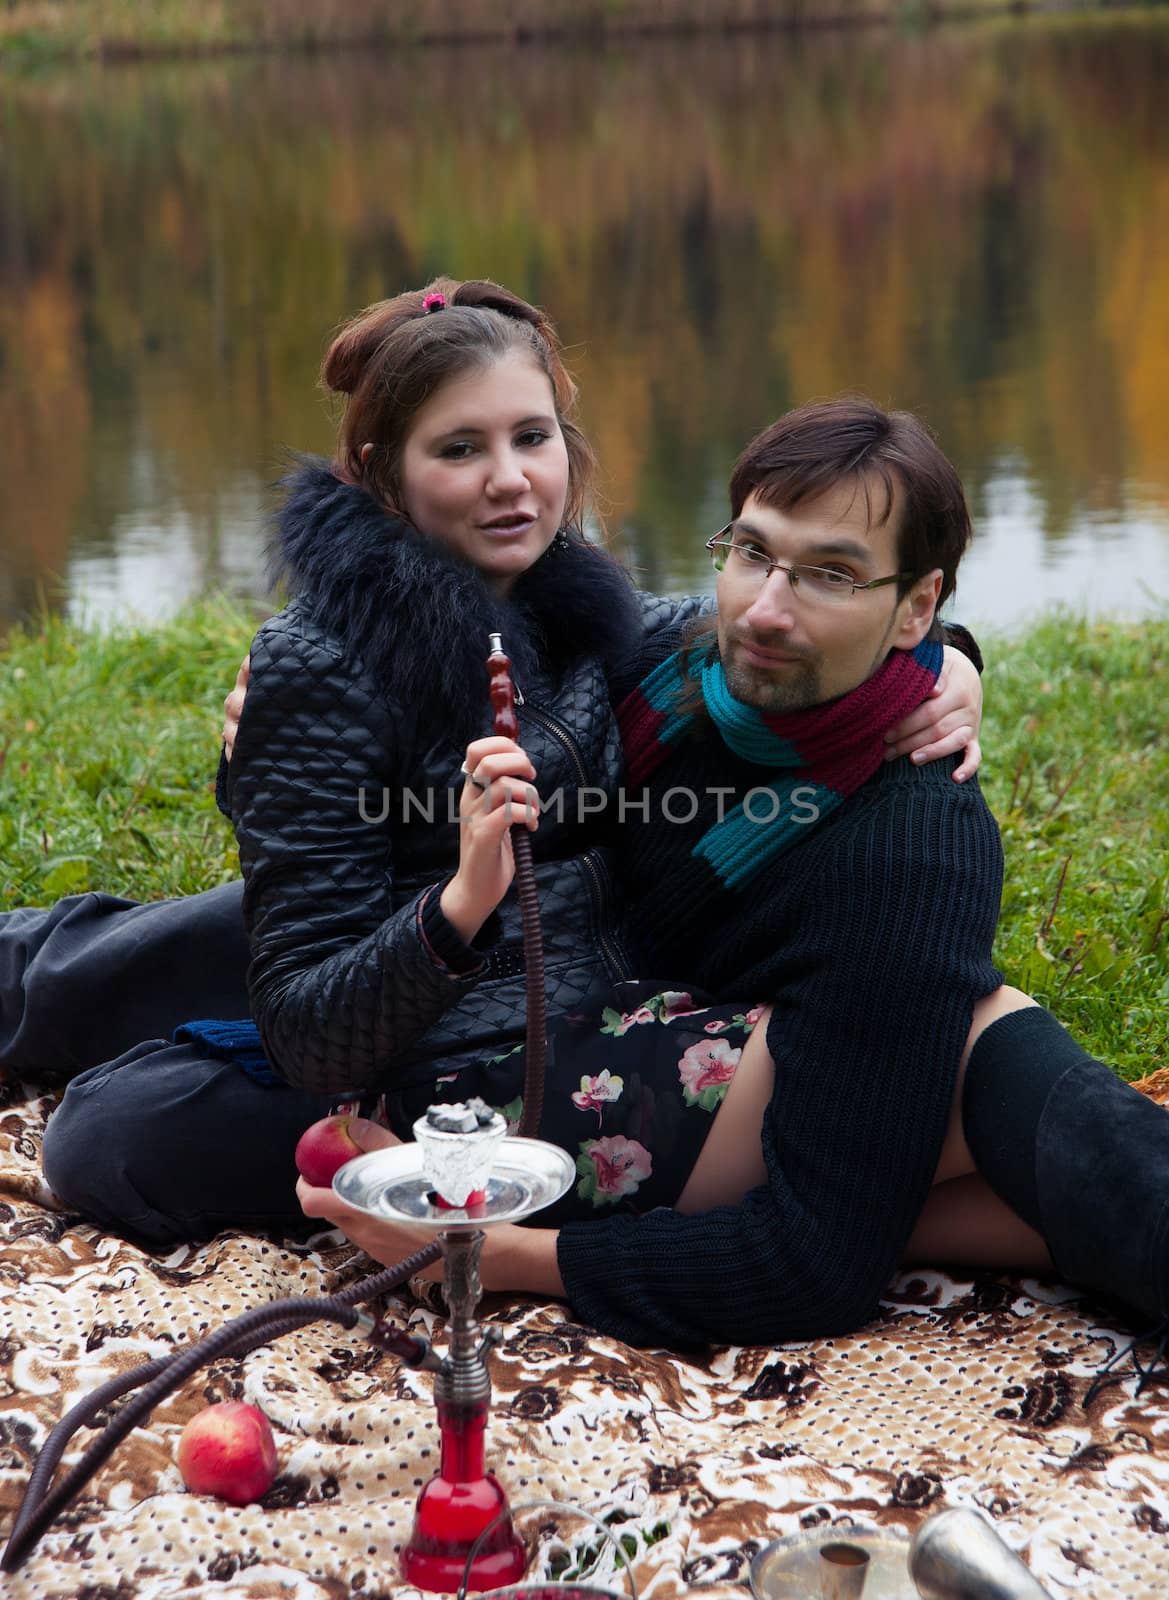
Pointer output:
x,y
968,1391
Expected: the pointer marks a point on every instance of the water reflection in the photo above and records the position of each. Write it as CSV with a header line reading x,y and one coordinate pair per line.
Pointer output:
x,y
972,224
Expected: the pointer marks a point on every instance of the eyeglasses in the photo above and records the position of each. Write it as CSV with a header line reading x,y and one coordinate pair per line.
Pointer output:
x,y
819,585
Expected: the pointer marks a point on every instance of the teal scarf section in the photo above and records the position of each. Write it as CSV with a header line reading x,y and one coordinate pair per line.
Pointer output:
x,y
771,817
810,760
743,728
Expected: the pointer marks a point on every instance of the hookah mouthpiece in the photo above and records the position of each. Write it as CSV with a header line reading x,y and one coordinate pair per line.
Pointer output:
x,y
500,689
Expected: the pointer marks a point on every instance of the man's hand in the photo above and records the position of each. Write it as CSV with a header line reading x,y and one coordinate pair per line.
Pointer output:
x,y
520,1259
233,706
945,722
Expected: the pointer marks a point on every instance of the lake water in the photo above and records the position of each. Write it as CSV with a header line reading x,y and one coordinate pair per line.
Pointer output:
x,y
972,223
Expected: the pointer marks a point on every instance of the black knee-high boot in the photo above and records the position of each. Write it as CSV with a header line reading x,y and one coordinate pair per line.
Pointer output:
x,y
1077,1153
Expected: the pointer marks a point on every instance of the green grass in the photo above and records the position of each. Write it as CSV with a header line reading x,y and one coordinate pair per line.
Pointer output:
x,y
109,744
1077,774
108,753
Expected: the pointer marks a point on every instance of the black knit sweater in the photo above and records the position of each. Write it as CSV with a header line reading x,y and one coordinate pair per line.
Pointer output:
x,y
871,939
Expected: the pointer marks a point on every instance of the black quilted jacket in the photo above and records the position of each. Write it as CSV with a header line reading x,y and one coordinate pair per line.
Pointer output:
x,y
364,693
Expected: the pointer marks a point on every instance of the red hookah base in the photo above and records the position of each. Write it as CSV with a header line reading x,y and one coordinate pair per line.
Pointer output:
x,y
448,1519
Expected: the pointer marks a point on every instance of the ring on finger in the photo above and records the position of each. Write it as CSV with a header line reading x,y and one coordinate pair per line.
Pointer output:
x,y
473,777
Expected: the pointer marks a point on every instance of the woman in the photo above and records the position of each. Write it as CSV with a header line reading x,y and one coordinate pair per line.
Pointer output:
x,y
453,508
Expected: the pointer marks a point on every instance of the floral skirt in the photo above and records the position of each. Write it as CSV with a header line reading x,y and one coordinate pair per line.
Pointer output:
x,y
631,1097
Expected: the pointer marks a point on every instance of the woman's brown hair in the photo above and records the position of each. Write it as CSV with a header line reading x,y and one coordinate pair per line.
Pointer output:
x,y
389,359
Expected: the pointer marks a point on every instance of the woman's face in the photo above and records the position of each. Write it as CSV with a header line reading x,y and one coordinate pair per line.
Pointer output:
x,y
484,469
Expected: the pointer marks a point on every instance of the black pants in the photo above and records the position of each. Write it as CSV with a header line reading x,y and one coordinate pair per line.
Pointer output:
x,y
92,976
167,1145
91,991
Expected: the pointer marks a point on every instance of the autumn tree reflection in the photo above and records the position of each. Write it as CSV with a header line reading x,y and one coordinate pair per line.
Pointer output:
x,y
972,223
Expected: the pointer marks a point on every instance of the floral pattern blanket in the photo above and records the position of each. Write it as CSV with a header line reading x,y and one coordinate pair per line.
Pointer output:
x,y
967,1391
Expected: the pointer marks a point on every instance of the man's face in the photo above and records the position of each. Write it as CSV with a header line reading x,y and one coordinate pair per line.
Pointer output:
x,y
782,651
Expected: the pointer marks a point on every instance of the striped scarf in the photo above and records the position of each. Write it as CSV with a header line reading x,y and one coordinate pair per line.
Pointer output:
x,y
812,760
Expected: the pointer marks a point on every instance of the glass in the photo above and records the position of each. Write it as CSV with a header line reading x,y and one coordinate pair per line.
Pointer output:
x,y
817,584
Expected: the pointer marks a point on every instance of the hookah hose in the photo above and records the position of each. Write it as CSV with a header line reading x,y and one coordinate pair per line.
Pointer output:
x,y
159,1378
505,722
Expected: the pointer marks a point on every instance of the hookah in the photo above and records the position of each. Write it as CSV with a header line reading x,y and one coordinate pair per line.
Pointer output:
x,y
463,1535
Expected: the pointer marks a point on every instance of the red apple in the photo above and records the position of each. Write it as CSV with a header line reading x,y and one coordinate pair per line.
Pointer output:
x,y
324,1148
228,1450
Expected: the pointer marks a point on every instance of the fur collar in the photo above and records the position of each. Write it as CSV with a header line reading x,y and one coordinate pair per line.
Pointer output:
x,y
419,617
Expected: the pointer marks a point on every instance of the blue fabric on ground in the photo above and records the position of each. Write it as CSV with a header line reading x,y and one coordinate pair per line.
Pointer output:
x,y
239,1042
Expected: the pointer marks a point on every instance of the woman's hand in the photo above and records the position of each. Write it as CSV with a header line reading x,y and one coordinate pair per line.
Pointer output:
x,y
947,721
496,793
233,706
384,1241
513,1258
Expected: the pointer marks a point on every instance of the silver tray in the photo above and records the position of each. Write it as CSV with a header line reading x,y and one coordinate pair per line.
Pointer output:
x,y
789,1569
526,1176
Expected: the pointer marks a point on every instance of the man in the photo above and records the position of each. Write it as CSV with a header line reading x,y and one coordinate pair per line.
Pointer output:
x,y
857,900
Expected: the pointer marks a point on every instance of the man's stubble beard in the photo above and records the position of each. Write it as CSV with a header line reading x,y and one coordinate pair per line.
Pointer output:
x,y
756,687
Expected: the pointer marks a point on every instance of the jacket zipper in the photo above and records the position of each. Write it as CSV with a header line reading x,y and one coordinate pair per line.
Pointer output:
x,y
611,948
558,731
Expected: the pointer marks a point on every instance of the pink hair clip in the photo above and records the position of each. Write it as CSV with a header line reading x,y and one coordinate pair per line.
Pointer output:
x,y
434,302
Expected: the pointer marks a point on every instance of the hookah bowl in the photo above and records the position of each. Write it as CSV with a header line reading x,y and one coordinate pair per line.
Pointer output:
x,y
463,1500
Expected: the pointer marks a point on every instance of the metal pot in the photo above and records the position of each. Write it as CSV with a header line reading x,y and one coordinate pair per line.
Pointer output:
x,y
842,1559
957,1555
